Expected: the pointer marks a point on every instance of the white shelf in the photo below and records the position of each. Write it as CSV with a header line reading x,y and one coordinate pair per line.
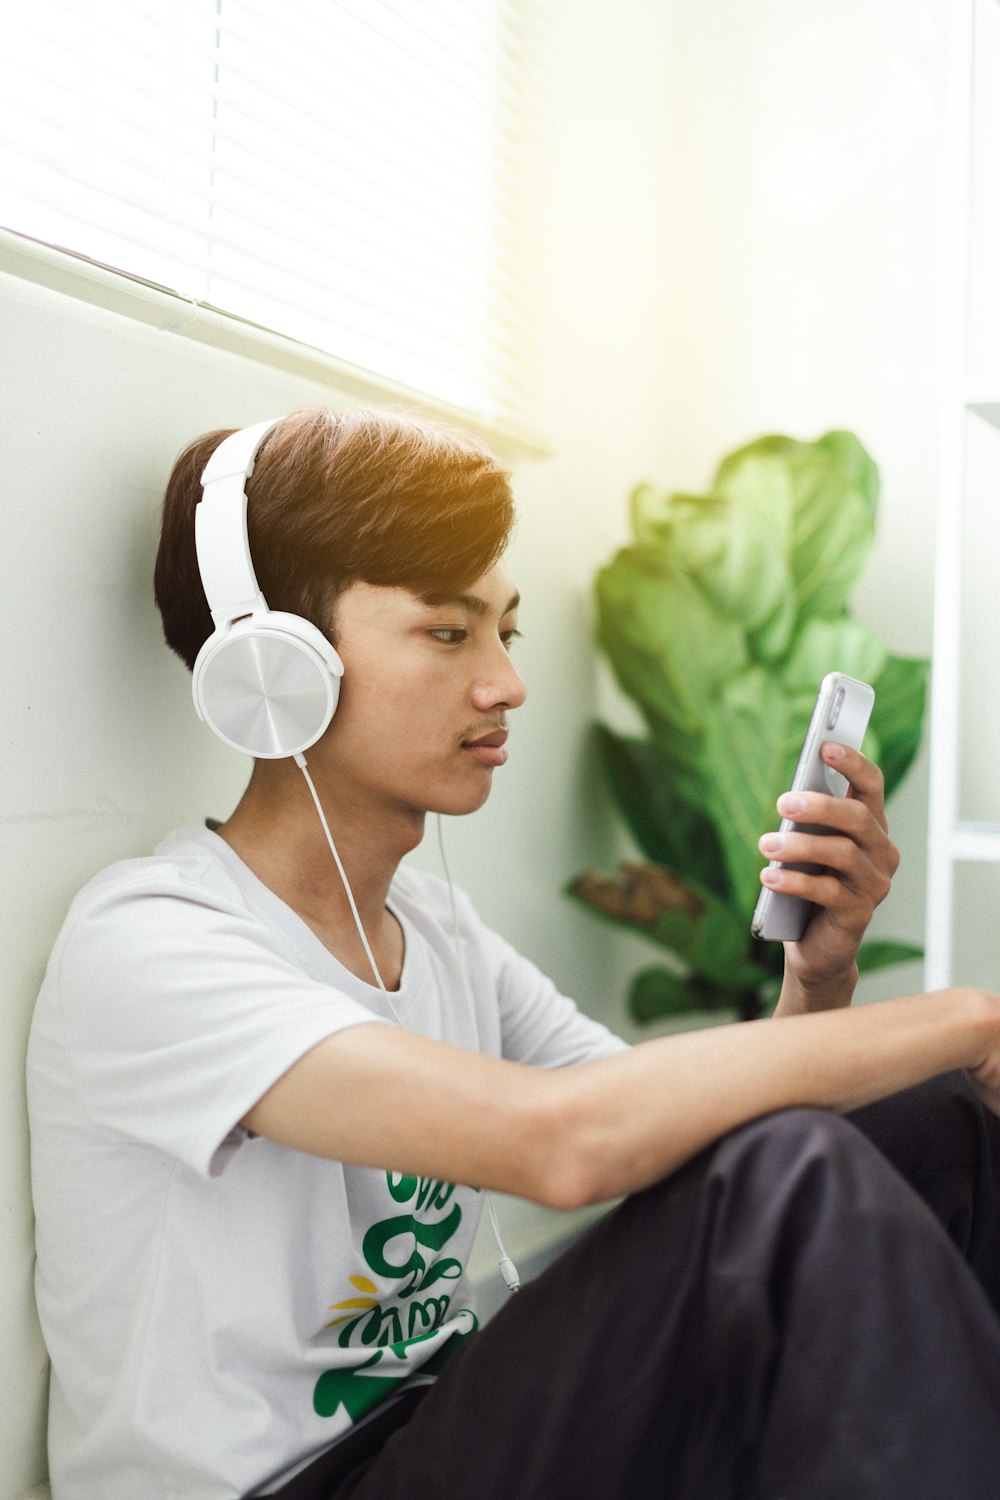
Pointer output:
x,y
989,410
976,841
970,387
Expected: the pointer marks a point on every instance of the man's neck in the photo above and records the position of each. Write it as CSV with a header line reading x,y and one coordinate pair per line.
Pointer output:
x,y
276,831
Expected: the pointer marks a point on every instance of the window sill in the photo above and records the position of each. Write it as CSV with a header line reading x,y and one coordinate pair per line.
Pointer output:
x,y
76,276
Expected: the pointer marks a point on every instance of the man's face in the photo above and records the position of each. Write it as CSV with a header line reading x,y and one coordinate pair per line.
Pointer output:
x,y
426,691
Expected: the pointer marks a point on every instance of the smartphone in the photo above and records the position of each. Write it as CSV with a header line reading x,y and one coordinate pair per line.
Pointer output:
x,y
841,713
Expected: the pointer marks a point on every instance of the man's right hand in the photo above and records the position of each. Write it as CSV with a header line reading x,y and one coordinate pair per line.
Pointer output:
x,y
985,1078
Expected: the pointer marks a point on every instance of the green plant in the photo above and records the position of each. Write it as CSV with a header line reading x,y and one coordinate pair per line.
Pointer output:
x,y
719,621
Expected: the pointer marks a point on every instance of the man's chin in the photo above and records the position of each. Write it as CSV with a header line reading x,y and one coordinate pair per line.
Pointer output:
x,y
457,803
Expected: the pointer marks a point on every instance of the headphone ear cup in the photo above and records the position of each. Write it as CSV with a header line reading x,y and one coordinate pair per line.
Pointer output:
x,y
268,689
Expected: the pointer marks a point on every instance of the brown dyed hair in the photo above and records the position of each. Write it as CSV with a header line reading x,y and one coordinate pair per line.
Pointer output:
x,y
335,499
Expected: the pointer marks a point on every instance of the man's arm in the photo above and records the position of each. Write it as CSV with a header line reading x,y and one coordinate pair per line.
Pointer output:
x,y
380,1097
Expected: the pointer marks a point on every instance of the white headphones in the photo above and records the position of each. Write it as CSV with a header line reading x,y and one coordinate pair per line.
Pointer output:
x,y
266,682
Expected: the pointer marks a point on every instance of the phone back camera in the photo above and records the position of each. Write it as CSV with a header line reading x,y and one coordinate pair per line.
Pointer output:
x,y
838,704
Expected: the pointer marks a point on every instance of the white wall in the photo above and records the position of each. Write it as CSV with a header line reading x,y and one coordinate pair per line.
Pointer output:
x,y
742,238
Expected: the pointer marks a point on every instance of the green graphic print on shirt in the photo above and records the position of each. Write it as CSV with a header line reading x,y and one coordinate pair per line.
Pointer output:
x,y
395,1327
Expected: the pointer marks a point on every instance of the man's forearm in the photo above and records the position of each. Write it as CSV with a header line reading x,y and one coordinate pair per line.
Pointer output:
x,y
639,1116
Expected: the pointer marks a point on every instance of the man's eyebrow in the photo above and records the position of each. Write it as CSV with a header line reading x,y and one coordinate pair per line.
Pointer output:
x,y
476,605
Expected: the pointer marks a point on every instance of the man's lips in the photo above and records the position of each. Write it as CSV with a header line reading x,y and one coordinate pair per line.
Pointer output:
x,y
487,749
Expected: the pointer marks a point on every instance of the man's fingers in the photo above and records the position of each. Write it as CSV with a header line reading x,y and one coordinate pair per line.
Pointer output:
x,y
849,816
862,862
867,784
838,873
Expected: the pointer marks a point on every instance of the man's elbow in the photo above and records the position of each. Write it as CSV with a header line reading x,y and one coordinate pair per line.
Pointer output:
x,y
571,1162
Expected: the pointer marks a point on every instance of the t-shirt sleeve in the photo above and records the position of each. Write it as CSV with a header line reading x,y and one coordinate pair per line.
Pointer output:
x,y
539,1025
179,1011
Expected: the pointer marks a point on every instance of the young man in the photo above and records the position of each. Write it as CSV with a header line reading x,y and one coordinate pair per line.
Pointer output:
x,y
258,1173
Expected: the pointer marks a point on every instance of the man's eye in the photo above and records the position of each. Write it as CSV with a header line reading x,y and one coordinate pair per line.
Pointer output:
x,y
451,637
509,637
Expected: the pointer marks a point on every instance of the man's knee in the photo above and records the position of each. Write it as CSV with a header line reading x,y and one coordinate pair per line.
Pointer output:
x,y
796,1139
802,1170
771,1188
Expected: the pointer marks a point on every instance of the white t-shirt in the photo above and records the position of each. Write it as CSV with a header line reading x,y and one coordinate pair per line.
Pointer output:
x,y
219,1307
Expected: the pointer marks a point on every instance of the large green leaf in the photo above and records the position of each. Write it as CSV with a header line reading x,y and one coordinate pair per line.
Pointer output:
x,y
726,549
716,945
759,478
840,645
773,637
656,993
880,953
751,729
819,499
853,461
730,554
667,831
667,644
898,715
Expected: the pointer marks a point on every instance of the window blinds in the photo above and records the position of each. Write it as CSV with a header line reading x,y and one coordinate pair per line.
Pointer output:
x,y
359,175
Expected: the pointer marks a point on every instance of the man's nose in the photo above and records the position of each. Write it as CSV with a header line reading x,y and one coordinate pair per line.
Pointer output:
x,y
501,687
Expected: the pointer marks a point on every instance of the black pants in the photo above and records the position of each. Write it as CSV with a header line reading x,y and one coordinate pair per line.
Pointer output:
x,y
787,1317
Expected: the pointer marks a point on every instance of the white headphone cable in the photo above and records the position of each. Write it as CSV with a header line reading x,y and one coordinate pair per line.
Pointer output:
x,y
300,761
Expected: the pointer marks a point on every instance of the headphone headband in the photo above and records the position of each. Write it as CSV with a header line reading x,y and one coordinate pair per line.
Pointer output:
x,y
220,526
237,454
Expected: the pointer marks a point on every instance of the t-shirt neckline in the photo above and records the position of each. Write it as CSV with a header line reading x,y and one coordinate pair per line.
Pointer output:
x,y
272,909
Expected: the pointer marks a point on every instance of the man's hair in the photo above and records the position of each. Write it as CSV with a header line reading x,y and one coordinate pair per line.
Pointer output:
x,y
335,499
